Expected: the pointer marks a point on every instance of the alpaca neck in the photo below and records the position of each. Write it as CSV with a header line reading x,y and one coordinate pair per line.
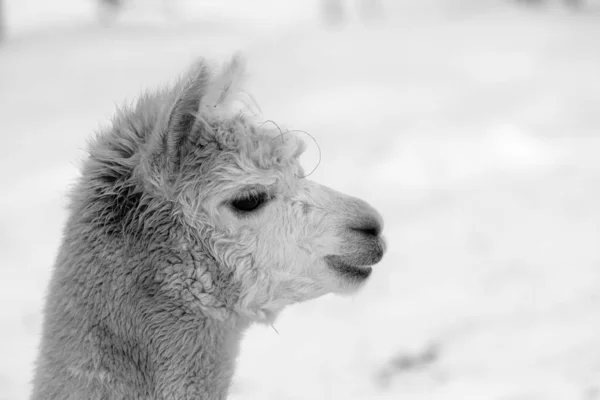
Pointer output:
x,y
197,362
194,344
164,330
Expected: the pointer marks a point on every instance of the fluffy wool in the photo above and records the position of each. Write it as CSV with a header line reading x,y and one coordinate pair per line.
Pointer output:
x,y
159,273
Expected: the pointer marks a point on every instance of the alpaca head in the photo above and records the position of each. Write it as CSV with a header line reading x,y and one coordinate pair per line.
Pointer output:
x,y
239,190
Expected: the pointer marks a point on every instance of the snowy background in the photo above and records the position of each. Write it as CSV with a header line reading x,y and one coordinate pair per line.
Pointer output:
x,y
472,125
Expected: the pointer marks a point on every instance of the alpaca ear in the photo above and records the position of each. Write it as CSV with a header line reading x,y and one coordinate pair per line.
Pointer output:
x,y
201,96
223,89
184,113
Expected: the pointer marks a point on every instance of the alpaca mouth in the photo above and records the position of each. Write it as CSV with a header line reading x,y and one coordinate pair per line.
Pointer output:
x,y
348,269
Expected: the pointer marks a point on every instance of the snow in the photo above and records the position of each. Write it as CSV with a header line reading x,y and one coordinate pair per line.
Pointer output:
x,y
471,125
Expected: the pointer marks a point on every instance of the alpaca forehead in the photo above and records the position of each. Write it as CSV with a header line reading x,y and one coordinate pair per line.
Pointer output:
x,y
259,142
250,147
267,151
233,177
238,152
269,143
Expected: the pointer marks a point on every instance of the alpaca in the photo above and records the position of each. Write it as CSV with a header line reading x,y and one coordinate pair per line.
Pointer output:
x,y
190,221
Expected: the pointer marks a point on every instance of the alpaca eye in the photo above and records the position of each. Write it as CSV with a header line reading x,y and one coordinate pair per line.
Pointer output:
x,y
250,202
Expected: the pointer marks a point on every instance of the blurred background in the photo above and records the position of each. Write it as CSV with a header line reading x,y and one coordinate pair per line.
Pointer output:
x,y
472,125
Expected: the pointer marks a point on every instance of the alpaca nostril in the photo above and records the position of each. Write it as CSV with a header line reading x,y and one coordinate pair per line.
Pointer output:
x,y
372,228
368,231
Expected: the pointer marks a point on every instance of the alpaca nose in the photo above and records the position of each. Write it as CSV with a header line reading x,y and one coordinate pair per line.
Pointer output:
x,y
367,221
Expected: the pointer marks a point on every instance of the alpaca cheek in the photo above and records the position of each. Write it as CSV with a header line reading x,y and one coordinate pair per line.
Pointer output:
x,y
318,235
304,228
275,253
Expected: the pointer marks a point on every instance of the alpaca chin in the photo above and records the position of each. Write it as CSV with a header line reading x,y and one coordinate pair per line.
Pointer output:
x,y
353,273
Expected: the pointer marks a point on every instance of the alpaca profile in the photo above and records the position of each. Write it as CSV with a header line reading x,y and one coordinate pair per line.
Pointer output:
x,y
190,221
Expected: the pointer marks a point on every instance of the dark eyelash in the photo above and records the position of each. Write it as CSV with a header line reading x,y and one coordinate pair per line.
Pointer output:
x,y
249,202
